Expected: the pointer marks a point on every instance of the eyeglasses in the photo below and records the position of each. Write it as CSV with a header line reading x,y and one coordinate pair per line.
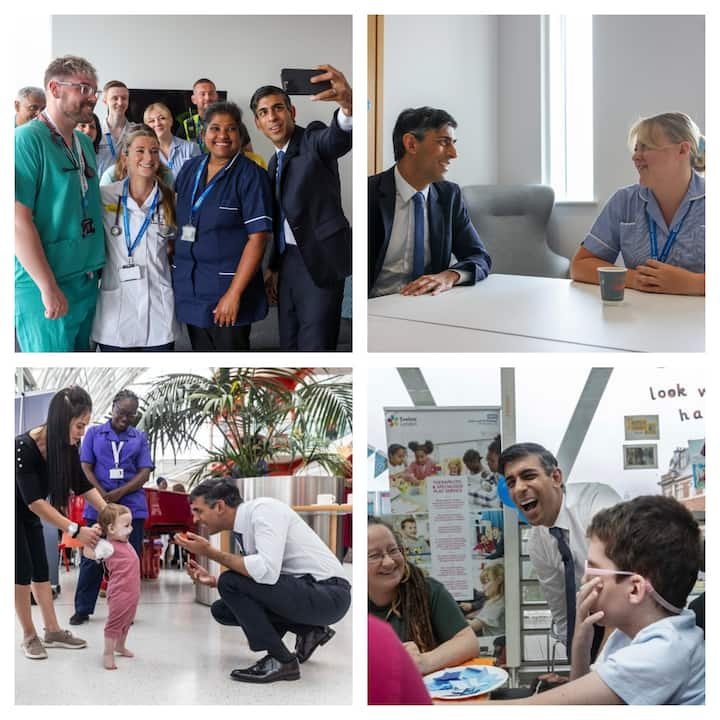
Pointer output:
x,y
651,590
377,557
84,88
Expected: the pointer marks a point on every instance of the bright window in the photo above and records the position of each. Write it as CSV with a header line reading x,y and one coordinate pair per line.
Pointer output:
x,y
568,107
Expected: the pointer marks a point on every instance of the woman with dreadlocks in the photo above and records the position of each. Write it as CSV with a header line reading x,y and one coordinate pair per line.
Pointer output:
x,y
419,609
116,459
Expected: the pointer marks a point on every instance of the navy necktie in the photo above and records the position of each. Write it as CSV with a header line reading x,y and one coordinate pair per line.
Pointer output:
x,y
238,537
418,267
569,568
278,176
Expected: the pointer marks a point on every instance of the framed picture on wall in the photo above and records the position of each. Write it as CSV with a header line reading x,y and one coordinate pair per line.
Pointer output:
x,y
642,427
640,457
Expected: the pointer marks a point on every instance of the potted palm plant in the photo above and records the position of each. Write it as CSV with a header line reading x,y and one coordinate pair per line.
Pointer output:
x,y
248,422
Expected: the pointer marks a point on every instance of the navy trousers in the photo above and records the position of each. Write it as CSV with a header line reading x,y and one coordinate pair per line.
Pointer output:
x,y
308,315
267,612
91,573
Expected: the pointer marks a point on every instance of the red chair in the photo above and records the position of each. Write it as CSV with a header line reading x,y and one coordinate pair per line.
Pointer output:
x,y
76,507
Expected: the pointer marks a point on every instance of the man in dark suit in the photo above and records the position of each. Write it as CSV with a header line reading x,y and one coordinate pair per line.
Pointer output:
x,y
416,220
313,242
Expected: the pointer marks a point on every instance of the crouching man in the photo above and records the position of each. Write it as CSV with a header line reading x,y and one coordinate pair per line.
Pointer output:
x,y
283,579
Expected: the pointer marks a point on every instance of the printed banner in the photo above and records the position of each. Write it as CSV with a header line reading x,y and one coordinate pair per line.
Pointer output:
x,y
445,507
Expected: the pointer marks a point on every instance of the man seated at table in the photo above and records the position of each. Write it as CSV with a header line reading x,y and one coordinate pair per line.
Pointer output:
x,y
416,220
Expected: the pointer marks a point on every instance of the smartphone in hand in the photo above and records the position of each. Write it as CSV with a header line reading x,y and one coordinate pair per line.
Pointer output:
x,y
296,81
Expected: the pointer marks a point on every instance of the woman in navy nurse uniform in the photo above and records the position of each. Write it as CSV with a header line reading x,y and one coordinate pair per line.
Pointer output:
x,y
658,224
224,216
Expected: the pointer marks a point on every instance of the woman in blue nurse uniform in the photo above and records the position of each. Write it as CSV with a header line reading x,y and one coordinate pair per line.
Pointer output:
x,y
136,307
224,216
658,224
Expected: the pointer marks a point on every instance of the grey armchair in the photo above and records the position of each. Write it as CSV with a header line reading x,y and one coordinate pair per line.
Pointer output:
x,y
512,222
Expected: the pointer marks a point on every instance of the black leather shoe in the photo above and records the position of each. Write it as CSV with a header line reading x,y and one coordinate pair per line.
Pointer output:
x,y
268,670
79,619
305,645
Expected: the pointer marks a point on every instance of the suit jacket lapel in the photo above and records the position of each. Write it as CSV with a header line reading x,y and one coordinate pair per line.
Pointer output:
x,y
292,150
436,221
386,201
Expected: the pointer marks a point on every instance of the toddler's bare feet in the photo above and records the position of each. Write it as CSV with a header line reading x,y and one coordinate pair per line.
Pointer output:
x,y
124,652
109,662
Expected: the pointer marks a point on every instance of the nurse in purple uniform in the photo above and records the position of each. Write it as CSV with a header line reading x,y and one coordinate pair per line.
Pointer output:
x,y
116,459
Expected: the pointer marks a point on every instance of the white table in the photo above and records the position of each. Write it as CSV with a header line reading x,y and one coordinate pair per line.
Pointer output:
x,y
517,313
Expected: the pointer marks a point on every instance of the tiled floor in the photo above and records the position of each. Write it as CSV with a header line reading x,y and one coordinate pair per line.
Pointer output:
x,y
182,657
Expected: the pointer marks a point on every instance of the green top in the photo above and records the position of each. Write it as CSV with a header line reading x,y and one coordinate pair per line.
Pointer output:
x,y
445,616
44,184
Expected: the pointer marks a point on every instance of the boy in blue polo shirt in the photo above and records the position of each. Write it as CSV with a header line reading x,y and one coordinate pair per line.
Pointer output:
x,y
643,561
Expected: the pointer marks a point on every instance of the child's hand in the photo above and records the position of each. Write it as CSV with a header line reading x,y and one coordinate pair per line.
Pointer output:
x,y
587,597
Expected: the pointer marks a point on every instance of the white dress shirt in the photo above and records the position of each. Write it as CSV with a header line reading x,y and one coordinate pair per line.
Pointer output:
x,y
397,266
344,123
277,540
581,501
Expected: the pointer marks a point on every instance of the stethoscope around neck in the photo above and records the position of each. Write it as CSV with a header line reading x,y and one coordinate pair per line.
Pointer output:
x,y
115,229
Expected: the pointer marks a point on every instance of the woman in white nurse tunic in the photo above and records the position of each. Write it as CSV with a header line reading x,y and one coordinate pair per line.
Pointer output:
x,y
136,309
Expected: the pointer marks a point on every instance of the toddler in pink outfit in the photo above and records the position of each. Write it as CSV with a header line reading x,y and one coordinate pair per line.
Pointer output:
x,y
123,592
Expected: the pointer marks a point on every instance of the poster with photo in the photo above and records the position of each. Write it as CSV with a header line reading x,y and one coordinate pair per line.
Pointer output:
x,y
642,427
439,476
696,452
640,457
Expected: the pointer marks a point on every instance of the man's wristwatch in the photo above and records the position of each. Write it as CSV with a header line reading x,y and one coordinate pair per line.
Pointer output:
x,y
73,529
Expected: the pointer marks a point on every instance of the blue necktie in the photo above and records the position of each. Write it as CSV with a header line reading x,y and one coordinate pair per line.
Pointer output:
x,y
278,175
569,568
239,538
419,238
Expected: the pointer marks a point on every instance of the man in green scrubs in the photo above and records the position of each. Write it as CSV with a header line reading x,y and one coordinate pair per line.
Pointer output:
x,y
59,243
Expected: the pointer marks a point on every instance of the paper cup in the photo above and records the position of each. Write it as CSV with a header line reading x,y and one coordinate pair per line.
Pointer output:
x,y
612,284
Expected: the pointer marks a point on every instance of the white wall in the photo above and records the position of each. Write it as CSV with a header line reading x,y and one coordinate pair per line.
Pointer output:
x,y
448,62
643,65
239,53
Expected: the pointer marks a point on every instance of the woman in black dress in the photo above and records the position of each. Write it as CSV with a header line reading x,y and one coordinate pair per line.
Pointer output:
x,y
47,469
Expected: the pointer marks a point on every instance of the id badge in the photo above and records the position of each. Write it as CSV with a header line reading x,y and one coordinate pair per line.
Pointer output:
x,y
129,272
188,233
117,473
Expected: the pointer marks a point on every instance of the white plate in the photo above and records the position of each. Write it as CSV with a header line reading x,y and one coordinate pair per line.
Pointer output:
x,y
494,678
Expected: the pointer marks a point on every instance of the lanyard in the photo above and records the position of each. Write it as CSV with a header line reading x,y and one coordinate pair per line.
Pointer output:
x,y
78,164
674,232
195,204
108,137
199,135
126,218
110,143
116,451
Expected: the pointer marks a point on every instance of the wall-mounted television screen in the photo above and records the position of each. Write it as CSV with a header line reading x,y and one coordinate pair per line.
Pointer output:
x,y
177,100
